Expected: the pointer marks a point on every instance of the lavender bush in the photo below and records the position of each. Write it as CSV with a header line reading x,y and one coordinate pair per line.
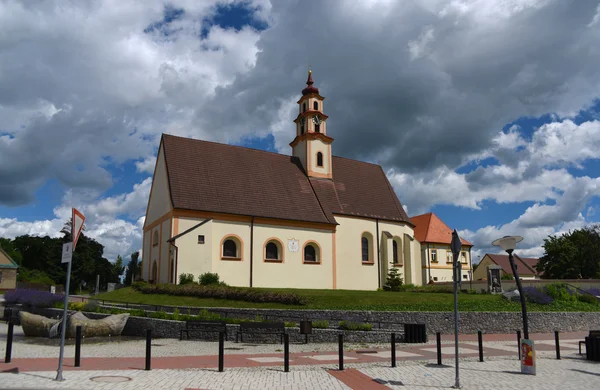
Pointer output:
x,y
534,295
594,291
32,298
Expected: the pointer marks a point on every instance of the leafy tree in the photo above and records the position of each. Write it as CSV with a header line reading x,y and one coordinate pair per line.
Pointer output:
x,y
132,268
573,255
118,269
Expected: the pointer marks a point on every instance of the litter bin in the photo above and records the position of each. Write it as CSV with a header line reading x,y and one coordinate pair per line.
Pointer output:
x,y
305,329
415,333
592,348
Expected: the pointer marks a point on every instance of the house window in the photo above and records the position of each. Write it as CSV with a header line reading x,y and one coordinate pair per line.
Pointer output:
x,y
231,248
434,256
200,239
317,128
312,253
316,105
435,279
448,257
303,106
155,238
320,159
463,257
366,244
273,250
464,277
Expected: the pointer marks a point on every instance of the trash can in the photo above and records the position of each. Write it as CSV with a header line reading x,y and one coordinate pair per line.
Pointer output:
x,y
415,333
592,348
305,329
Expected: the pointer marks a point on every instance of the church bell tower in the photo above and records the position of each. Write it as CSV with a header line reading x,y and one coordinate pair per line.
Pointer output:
x,y
312,145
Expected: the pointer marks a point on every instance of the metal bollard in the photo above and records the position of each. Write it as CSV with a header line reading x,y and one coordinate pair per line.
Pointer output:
x,y
341,350
221,350
148,348
557,344
519,343
286,352
393,349
438,339
9,340
78,346
480,341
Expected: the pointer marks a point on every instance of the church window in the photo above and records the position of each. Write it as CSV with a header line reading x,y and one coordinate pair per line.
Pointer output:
x,y
312,253
366,241
200,239
155,238
320,159
231,248
316,105
317,128
273,250
395,257
303,106
434,255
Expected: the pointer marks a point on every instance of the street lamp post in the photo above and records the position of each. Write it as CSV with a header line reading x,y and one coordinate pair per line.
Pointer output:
x,y
509,243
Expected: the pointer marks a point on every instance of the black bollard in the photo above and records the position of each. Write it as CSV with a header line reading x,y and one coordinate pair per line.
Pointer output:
x,y
148,348
286,352
341,350
9,339
557,344
480,340
519,343
78,346
393,349
221,350
438,339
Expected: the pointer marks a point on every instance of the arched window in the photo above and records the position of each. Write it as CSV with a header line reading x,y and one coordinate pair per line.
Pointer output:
x,y
395,251
229,248
364,242
312,253
303,106
320,159
316,105
272,252
155,238
317,128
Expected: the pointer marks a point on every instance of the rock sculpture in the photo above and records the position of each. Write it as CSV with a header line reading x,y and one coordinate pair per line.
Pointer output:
x,y
112,325
35,325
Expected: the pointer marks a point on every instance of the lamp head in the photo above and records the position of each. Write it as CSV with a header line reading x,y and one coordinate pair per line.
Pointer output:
x,y
508,243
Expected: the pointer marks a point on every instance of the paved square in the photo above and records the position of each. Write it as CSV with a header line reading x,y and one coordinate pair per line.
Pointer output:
x,y
388,354
268,359
450,350
329,357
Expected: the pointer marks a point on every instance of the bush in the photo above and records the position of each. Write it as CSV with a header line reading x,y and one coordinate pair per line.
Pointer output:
x,y
587,299
560,292
33,298
347,325
207,279
535,295
320,324
186,279
222,292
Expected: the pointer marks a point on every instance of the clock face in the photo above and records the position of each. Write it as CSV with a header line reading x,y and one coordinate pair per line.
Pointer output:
x,y
317,120
293,245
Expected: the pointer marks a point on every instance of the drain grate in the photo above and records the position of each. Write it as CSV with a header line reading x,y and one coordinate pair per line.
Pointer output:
x,y
110,379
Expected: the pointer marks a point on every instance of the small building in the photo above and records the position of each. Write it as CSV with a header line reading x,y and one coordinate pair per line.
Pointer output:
x,y
435,238
525,266
262,219
8,272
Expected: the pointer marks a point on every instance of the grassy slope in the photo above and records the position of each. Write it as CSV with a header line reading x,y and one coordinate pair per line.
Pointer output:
x,y
356,300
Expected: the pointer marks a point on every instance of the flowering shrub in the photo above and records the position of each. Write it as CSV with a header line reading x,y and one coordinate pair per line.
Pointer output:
x,y
32,298
221,292
535,295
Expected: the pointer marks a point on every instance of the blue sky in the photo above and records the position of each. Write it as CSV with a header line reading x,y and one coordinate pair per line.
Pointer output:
x,y
83,129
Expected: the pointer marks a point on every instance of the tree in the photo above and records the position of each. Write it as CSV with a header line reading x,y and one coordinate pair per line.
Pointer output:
x,y
393,281
573,255
118,269
132,268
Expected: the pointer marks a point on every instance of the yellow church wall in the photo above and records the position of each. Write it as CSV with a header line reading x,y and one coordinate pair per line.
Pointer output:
x,y
409,250
317,146
146,252
159,201
232,272
194,258
163,275
292,271
299,151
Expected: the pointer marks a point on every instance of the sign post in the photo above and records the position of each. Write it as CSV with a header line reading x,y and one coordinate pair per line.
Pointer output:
x,y
77,220
455,246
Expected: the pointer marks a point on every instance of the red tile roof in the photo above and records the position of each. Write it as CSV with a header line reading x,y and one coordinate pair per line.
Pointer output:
x,y
215,177
430,228
525,265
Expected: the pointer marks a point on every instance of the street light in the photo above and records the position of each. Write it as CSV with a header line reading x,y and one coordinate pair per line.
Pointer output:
x,y
509,243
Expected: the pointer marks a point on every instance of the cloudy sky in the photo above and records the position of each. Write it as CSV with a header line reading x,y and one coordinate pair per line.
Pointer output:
x,y
484,112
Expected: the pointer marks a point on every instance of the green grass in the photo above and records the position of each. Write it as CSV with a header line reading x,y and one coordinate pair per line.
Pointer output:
x,y
356,300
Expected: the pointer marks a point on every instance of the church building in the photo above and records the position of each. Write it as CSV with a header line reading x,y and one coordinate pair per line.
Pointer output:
x,y
263,219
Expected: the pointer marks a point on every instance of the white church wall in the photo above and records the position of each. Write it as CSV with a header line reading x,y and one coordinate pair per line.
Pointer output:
x,y
163,247
194,258
146,253
292,271
159,203
232,272
299,151
411,258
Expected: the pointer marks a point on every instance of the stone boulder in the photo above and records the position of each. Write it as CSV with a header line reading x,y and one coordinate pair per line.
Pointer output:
x,y
112,325
37,326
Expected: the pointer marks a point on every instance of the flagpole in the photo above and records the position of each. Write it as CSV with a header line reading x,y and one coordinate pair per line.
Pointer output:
x,y
59,376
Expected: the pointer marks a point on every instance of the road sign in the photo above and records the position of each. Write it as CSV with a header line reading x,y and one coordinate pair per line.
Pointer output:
x,y
67,252
78,220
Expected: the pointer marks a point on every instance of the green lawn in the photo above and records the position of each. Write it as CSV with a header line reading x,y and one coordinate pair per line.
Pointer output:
x,y
356,300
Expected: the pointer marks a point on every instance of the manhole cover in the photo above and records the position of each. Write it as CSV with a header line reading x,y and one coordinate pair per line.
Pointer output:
x,y
110,379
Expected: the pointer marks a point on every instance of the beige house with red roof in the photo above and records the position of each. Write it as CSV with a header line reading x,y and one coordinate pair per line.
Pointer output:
x,y
262,219
8,272
436,257
525,266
